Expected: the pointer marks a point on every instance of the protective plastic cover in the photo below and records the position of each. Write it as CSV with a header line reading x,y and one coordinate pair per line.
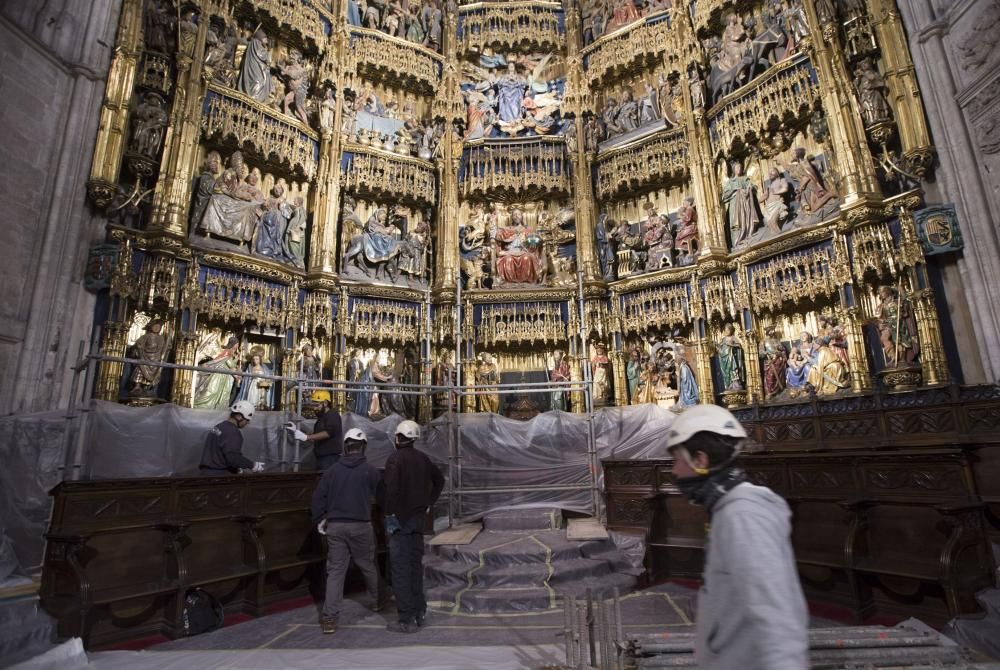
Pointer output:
x,y
166,440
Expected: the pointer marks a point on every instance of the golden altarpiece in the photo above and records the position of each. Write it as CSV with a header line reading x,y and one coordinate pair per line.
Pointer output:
x,y
711,201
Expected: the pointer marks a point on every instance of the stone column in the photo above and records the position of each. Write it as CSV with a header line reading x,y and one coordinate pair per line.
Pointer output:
x,y
932,359
110,142
854,336
618,363
755,381
180,145
185,351
904,94
109,375
847,134
583,191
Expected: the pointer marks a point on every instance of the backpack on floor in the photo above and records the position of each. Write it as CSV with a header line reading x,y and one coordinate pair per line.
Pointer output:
x,y
202,612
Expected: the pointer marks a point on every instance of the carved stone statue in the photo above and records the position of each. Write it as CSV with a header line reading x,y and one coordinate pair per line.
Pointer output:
x,y
871,89
414,250
687,383
897,329
204,187
697,87
255,70
777,190
628,112
686,240
309,363
734,43
295,237
829,373
510,95
158,24
800,362
149,120
518,258
559,373
602,375
151,346
377,246
775,365
234,206
732,363
605,256
488,374
274,225
810,189
296,75
258,392
213,389
741,206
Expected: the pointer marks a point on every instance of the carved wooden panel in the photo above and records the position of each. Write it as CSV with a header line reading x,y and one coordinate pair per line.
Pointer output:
x,y
922,422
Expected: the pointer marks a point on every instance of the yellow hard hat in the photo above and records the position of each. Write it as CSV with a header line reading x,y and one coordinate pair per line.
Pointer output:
x,y
319,396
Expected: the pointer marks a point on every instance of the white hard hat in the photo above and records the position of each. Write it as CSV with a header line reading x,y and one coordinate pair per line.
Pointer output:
x,y
356,434
408,429
703,418
243,407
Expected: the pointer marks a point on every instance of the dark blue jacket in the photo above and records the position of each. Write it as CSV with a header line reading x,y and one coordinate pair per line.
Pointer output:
x,y
346,491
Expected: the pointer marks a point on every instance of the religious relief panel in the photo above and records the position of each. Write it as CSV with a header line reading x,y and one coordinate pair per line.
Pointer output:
x,y
515,246
656,240
636,109
391,120
513,95
377,372
418,22
385,243
746,45
804,355
660,371
602,17
246,60
239,209
237,358
794,190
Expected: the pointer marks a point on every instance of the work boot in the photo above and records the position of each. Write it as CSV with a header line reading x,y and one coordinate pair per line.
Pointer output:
x,y
403,627
381,604
328,624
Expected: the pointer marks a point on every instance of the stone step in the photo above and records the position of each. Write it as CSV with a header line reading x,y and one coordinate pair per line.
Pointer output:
x,y
458,575
542,518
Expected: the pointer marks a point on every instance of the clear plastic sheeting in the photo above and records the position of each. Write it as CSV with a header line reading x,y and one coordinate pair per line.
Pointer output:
x,y
32,450
496,461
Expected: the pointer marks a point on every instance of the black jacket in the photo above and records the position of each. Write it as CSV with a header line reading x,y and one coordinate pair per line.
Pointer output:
x,y
412,483
224,449
346,491
331,423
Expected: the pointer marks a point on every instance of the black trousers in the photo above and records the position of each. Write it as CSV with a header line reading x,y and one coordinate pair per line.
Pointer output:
x,y
406,556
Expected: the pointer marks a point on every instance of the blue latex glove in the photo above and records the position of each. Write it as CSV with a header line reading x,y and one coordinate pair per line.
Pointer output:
x,y
392,525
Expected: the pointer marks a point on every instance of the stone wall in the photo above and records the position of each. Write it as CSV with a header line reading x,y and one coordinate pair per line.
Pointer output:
x,y
956,52
55,57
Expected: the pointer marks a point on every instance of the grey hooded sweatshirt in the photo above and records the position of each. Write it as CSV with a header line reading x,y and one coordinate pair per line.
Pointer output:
x,y
751,612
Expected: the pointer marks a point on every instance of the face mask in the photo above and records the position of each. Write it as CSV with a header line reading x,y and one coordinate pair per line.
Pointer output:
x,y
706,490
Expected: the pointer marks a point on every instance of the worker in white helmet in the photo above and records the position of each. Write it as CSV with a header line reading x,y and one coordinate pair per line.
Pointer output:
x,y
751,611
223,450
412,484
342,510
